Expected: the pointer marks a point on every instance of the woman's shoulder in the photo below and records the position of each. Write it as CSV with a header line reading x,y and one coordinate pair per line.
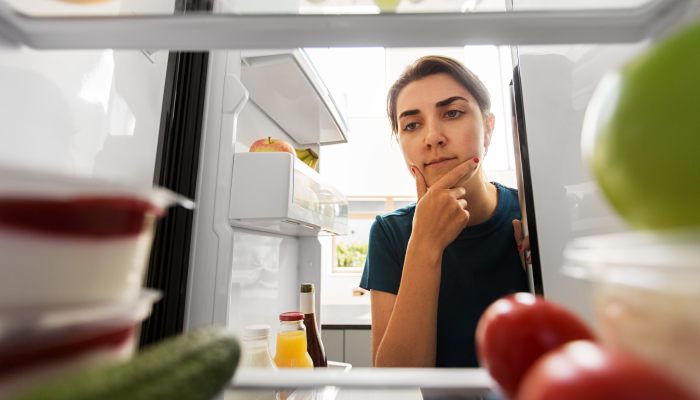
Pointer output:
x,y
506,189
508,202
510,194
400,219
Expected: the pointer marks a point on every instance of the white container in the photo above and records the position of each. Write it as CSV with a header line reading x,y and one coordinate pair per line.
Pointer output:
x,y
280,194
255,352
646,296
39,344
67,240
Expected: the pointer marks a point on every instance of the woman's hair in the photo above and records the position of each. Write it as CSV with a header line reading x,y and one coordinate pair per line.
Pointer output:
x,y
431,65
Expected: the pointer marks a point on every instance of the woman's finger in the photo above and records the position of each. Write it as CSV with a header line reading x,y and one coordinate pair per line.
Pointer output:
x,y
451,178
458,192
462,204
518,231
525,244
421,186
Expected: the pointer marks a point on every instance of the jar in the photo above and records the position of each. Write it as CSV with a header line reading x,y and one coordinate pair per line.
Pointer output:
x,y
291,342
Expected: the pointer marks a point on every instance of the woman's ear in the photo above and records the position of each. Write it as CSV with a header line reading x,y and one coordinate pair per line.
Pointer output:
x,y
489,122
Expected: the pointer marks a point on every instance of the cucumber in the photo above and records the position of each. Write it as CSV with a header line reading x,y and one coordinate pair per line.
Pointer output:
x,y
193,366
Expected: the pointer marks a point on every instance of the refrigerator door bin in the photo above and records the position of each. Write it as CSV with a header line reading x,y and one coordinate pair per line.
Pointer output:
x,y
278,193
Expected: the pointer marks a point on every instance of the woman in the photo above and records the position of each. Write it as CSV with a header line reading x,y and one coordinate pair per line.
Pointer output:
x,y
434,266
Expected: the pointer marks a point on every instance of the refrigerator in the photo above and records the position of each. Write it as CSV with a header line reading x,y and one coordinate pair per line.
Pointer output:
x,y
173,93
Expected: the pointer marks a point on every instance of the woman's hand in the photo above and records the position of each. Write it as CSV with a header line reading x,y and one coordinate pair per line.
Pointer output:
x,y
523,242
441,211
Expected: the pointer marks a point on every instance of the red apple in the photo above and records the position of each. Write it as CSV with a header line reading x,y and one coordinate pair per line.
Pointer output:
x,y
270,144
518,329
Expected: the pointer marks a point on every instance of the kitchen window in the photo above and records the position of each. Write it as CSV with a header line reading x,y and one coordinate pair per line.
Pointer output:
x,y
349,251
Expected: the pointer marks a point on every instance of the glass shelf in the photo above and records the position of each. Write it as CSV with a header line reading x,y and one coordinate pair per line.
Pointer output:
x,y
254,24
53,8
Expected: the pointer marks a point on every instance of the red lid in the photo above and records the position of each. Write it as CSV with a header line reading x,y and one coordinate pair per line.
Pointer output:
x,y
291,316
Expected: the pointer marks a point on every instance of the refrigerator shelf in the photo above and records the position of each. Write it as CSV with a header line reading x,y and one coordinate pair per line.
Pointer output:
x,y
431,381
274,29
285,85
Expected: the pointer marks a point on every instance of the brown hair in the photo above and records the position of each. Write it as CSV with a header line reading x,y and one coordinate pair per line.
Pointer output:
x,y
431,65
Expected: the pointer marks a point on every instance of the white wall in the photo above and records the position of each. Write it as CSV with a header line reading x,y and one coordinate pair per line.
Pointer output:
x,y
91,113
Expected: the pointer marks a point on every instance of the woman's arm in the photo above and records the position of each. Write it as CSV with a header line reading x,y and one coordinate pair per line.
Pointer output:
x,y
404,326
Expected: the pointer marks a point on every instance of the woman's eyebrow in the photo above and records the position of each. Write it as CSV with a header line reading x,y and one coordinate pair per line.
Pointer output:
x,y
441,103
408,112
449,100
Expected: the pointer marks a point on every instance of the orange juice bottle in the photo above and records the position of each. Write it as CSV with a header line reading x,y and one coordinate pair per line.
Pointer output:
x,y
291,342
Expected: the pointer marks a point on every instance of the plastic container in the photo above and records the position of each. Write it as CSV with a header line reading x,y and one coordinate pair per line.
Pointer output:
x,y
646,296
36,344
255,351
68,240
255,354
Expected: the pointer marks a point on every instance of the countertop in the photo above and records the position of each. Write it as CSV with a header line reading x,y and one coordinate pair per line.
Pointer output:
x,y
346,312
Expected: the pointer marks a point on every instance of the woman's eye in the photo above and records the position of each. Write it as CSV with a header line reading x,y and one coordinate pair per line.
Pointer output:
x,y
410,126
453,113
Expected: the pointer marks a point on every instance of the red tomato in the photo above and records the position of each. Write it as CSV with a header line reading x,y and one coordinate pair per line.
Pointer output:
x,y
584,370
516,330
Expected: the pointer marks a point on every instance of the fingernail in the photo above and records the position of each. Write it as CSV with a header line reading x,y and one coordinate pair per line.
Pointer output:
x,y
476,160
520,247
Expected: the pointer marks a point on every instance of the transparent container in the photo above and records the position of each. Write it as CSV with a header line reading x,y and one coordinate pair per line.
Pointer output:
x,y
646,288
291,342
43,343
69,240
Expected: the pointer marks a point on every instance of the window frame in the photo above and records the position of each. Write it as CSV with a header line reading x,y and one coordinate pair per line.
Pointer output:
x,y
389,206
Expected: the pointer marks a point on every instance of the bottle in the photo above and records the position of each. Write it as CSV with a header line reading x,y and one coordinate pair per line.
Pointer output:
x,y
314,344
291,342
255,352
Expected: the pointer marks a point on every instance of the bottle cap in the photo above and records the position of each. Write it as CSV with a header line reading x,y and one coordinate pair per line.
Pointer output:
x,y
256,331
291,316
307,287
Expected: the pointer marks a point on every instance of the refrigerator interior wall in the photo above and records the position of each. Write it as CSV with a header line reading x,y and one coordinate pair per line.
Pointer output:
x,y
90,113
239,276
557,83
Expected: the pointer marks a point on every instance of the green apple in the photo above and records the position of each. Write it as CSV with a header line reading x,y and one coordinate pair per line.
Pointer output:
x,y
387,5
646,146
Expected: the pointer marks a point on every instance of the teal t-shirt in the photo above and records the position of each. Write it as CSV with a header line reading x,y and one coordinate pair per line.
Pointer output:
x,y
479,266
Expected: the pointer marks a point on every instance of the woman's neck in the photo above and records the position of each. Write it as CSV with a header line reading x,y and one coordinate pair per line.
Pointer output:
x,y
482,198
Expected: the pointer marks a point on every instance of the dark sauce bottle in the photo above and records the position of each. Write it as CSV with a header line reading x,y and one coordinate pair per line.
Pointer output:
x,y
313,335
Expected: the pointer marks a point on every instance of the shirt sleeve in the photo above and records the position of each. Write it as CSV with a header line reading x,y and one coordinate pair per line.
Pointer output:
x,y
382,266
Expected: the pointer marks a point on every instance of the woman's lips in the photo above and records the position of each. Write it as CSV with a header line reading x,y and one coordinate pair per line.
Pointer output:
x,y
439,162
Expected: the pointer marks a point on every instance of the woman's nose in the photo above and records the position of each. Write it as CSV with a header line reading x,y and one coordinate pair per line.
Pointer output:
x,y
435,136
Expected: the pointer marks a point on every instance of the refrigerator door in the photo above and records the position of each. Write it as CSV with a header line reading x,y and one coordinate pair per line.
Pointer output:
x,y
552,86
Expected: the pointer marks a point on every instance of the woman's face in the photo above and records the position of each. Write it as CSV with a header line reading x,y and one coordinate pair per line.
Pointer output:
x,y
440,125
